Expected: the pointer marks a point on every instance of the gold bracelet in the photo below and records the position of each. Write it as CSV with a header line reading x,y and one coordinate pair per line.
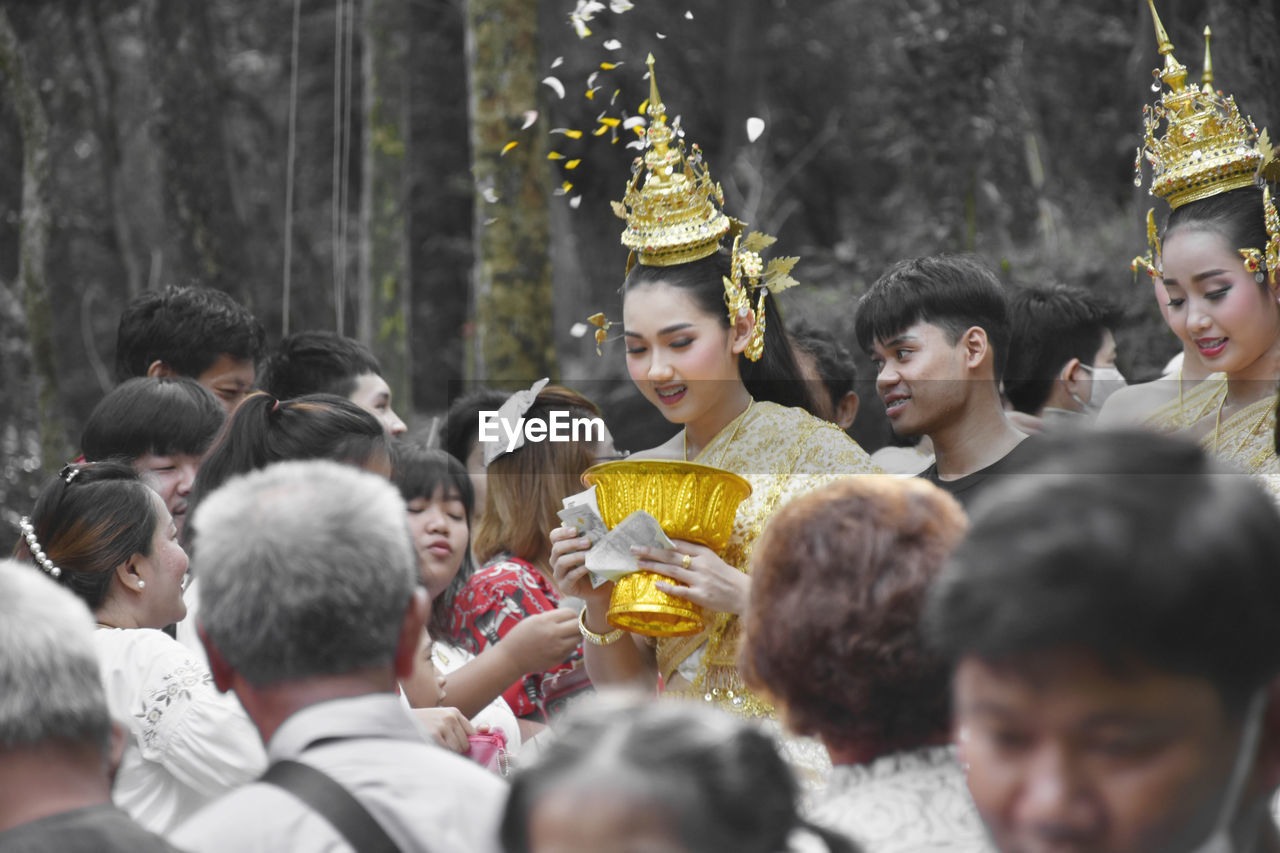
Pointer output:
x,y
592,637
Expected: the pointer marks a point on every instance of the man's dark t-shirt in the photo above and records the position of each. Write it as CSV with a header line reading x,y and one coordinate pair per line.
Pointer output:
x,y
93,829
967,488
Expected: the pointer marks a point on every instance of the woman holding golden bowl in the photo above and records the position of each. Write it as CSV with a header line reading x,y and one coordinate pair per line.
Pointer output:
x,y
730,378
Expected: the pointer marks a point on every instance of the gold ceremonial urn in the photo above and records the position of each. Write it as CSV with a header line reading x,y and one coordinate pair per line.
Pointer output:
x,y
693,502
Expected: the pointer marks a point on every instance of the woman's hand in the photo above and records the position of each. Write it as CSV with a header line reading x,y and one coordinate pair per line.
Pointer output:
x,y
569,567
707,580
538,642
447,727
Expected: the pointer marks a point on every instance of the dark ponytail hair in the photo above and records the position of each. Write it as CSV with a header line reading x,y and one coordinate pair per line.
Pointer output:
x,y
264,430
776,376
88,520
1238,215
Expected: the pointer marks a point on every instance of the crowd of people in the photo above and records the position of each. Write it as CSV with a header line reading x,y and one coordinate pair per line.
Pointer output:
x,y
261,613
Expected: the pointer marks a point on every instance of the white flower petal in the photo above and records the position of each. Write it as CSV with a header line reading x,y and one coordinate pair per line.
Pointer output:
x,y
556,85
530,116
755,127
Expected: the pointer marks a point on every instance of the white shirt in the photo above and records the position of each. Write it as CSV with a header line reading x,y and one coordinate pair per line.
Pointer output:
x,y
425,797
497,714
908,802
188,743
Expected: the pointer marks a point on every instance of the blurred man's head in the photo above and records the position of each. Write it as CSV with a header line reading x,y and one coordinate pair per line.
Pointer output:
x,y
830,371
1112,620
307,572
191,331
319,362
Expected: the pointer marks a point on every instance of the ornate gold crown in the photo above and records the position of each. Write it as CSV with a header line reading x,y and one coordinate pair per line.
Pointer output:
x,y
672,207
1207,147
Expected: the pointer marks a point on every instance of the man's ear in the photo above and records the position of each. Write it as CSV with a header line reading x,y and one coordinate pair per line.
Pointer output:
x,y
740,333
415,617
847,410
1266,767
159,368
218,666
976,347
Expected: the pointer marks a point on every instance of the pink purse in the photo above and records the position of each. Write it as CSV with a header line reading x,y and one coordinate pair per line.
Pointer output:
x,y
489,750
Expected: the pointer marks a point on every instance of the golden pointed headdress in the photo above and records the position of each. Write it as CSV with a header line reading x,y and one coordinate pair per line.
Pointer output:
x,y
1207,147
672,207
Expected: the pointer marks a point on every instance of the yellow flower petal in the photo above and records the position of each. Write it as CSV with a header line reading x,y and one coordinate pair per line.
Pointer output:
x,y
508,147
572,164
555,155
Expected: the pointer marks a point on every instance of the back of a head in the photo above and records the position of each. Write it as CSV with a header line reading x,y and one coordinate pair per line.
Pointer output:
x,y
525,487
187,328
459,431
835,364
1129,546
158,415
306,570
264,430
719,781
50,686
1051,324
952,292
839,579
316,362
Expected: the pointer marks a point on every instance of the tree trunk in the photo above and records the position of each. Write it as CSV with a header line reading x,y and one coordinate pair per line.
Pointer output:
x,y
34,231
384,257
187,123
514,340
1246,62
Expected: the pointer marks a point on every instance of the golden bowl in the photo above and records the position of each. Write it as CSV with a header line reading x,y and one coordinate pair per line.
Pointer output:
x,y
693,502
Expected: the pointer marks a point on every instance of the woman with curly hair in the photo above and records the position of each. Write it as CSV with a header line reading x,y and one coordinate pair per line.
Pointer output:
x,y
833,636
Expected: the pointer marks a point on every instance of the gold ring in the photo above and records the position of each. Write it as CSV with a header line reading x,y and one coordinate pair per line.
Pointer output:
x,y
687,561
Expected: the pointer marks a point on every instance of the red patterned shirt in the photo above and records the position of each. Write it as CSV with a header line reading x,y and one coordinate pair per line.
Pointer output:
x,y
493,600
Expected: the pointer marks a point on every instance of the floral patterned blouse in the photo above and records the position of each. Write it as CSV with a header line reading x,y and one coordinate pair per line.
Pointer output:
x,y
188,743
491,603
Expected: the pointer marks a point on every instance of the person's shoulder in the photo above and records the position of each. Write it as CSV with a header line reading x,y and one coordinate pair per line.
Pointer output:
x,y
255,817
824,447
1130,405
93,829
670,450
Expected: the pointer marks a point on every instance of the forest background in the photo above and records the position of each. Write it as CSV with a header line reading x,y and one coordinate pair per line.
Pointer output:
x,y
348,164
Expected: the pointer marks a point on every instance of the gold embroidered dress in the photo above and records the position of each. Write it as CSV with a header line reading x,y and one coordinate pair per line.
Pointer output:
x,y
783,452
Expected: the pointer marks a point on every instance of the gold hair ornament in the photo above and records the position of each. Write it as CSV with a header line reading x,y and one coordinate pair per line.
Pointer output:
x,y
749,275
1150,262
603,324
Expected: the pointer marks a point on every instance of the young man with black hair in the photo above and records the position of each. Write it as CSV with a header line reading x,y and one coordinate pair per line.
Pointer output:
x,y
191,331
1111,620
937,330
830,371
1062,354
162,426
320,362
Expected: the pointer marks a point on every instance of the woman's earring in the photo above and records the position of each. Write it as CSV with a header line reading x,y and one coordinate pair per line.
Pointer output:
x,y
142,584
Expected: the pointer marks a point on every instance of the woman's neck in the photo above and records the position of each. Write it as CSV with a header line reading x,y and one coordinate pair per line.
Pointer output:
x,y
1258,380
700,432
112,614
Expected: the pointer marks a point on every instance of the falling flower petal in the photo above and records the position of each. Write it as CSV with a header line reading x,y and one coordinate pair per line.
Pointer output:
x,y
591,79
556,85
490,221
633,121
591,93
580,28
660,35
577,330
609,120
490,195
612,44
620,6
508,147
612,100
609,66
530,116
644,107
755,127
558,62
638,145
575,201
601,130
572,164
569,132
688,16
566,186
555,155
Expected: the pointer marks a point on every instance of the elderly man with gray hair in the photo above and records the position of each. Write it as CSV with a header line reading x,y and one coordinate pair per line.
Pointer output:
x,y
310,612
58,747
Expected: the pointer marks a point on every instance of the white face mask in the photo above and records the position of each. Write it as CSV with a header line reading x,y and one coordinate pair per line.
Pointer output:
x,y
1106,381
1220,840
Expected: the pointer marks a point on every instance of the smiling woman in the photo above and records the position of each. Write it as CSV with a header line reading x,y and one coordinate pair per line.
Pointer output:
x,y
707,348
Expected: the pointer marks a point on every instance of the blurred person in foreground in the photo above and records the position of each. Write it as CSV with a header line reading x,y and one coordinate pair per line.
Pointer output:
x,y
312,611
1112,622
58,746
833,636
628,775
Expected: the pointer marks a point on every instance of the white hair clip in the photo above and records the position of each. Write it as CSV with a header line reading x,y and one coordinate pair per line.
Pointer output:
x,y
37,553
